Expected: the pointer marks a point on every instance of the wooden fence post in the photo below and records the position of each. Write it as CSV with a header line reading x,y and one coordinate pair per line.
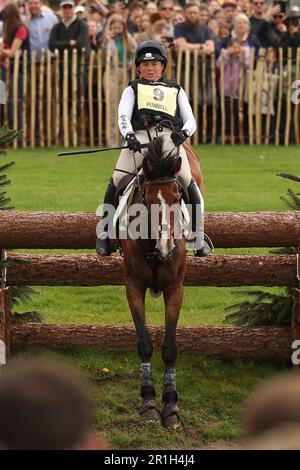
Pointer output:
x,y
288,98
279,101
74,98
32,98
66,97
91,98
49,82
16,96
214,98
82,98
241,98
222,97
100,96
196,95
41,98
250,96
25,98
204,99
56,97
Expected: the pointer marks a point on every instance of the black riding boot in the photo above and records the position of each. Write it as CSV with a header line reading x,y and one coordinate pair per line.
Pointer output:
x,y
103,247
195,200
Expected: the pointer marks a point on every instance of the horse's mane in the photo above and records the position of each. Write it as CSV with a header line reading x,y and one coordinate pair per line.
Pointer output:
x,y
160,163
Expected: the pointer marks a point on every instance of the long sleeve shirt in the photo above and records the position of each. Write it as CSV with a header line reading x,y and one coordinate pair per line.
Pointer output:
x,y
126,107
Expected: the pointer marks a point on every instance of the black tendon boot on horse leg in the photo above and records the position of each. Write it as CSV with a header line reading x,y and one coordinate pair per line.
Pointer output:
x,y
103,247
136,298
170,417
195,201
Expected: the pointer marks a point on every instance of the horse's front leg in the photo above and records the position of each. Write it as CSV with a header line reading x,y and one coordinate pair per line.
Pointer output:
x,y
173,297
136,299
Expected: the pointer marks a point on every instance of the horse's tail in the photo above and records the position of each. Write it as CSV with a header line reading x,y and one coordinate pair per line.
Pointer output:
x,y
155,293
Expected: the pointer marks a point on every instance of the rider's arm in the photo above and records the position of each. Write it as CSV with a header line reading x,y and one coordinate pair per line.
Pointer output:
x,y
186,113
125,111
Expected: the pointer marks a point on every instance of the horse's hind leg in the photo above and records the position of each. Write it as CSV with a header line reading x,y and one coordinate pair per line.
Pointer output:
x,y
170,414
136,299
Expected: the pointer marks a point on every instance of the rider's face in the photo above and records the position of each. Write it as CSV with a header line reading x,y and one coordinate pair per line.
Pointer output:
x,y
151,70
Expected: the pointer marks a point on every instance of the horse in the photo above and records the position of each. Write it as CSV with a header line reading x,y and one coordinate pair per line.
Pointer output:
x,y
160,265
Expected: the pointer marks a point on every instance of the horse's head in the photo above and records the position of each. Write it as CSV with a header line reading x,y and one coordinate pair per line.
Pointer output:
x,y
162,195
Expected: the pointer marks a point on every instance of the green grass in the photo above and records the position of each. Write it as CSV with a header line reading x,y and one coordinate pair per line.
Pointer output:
x,y
211,390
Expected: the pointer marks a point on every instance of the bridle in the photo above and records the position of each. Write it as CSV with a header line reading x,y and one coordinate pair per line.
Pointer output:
x,y
154,255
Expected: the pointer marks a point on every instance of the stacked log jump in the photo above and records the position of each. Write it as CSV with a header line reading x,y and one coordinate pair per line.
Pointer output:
x,y
62,230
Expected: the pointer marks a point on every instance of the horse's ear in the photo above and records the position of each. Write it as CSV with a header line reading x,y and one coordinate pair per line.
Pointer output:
x,y
177,166
147,168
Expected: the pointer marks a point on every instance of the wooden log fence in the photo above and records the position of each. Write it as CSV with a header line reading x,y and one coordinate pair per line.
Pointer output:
x,y
86,89
77,230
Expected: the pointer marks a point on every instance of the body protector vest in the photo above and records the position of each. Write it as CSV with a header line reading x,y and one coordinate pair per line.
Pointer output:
x,y
154,102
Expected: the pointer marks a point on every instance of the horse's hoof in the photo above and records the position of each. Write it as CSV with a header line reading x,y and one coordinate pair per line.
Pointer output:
x,y
149,412
170,418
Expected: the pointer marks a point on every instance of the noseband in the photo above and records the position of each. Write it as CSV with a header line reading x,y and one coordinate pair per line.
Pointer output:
x,y
155,255
161,182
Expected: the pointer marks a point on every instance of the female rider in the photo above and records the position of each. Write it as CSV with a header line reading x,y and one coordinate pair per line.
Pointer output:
x,y
144,104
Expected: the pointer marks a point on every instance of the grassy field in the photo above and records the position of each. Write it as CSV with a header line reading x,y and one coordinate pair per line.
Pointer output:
x,y
211,390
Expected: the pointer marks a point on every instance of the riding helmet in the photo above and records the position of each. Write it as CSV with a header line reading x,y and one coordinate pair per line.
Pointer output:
x,y
150,50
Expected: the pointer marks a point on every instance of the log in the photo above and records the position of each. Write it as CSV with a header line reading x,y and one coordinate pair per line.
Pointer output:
x,y
267,342
92,270
77,230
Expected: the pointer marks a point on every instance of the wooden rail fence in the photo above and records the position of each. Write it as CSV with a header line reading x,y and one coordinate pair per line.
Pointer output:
x,y
71,98
78,230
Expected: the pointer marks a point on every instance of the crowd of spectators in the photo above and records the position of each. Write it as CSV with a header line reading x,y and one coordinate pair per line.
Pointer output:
x,y
118,26
93,24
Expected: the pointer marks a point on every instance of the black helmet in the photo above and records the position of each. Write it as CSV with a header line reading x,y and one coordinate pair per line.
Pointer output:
x,y
150,50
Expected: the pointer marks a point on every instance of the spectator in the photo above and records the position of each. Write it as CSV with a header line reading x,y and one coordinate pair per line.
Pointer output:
x,y
244,6
191,35
151,7
94,36
276,29
213,7
44,407
115,38
258,21
136,10
156,31
292,37
229,9
80,12
204,14
15,38
178,18
40,24
166,10
232,60
70,32
241,31
272,416
144,27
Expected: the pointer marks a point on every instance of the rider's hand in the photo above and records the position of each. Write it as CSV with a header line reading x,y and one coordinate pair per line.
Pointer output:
x,y
179,137
133,143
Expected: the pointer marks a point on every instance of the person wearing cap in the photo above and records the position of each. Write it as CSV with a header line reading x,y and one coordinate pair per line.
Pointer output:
x,y
292,37
144,104
40,24
70,32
